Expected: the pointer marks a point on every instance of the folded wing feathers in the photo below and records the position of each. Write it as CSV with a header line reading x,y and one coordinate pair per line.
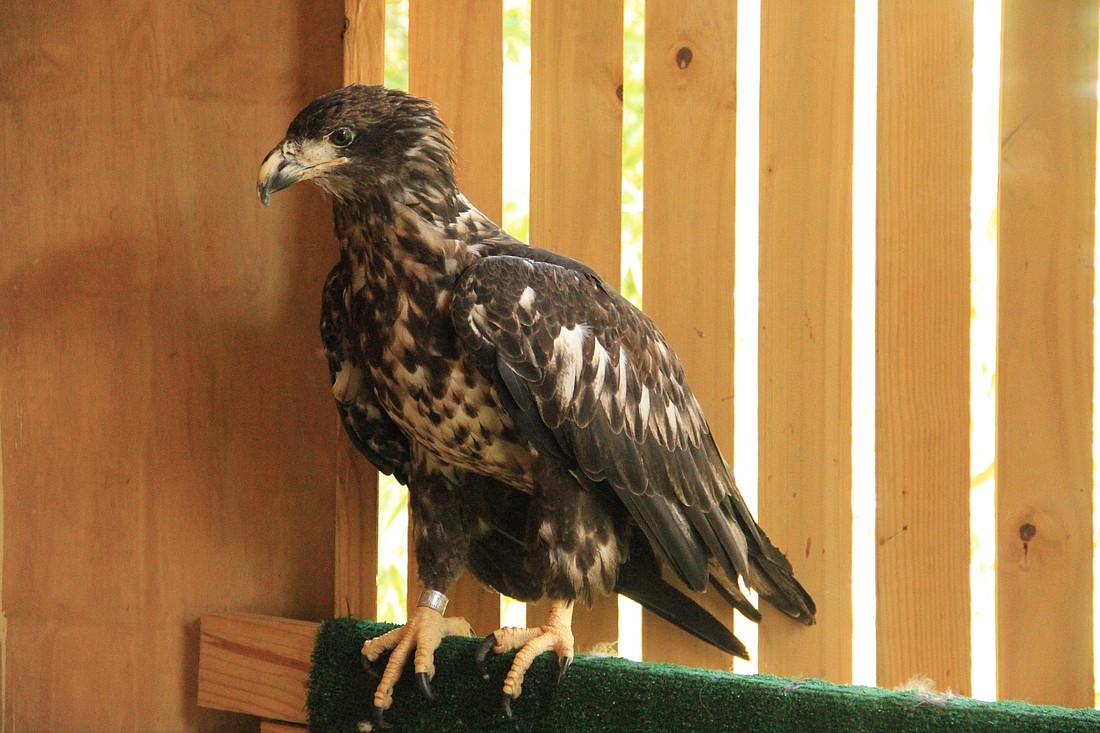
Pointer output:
x,y
613,394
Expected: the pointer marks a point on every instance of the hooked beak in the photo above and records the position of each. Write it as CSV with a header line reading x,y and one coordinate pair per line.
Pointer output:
x,y
276,173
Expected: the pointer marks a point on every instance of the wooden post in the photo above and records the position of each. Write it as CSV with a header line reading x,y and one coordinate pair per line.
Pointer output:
x,y
687,257
1044,353
922,329
806,325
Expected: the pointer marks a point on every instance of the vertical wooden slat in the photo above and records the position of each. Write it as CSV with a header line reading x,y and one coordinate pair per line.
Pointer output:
x,y
1044,353
805,353
455,60
364,41
356,589
687,263
576,168
922,338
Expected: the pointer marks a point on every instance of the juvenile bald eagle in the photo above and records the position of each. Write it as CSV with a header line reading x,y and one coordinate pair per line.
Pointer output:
x,y
543,425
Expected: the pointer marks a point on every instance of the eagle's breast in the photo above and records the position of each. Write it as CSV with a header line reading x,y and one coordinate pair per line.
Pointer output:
x,y
421,376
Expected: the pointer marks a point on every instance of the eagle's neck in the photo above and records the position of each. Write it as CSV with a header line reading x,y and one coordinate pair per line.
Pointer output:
x,y
401,242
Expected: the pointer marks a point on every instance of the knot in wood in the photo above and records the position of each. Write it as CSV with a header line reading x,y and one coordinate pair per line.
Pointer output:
x,y
683,57
1027,532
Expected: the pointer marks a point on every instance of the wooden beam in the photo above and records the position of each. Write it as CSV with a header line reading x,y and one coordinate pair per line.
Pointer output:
x,y
922,335
687,257
364,41
255,664
805,361
1044,353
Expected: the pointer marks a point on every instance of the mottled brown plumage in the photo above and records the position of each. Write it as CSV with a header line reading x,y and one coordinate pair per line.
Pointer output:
x,y
542,423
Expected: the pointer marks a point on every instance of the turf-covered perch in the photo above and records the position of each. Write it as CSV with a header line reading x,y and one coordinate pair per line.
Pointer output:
x,y
608,694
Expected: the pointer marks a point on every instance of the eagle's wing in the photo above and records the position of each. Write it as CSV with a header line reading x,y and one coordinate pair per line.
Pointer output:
x,y
370,430
592,382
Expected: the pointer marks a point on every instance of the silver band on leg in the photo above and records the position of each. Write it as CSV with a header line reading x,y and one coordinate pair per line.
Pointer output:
x,y
434,600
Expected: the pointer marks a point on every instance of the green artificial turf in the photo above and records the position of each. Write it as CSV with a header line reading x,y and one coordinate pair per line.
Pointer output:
x,y
610,694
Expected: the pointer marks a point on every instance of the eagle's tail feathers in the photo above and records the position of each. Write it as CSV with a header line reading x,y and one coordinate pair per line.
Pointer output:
x,y
666,601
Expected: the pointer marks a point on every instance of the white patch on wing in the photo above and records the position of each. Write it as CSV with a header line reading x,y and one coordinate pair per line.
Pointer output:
x,y
527,298
624,372
569,355
477,317
643,411
601,359
672,419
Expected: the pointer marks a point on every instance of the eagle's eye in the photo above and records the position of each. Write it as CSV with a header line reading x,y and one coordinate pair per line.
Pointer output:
x,y
341,137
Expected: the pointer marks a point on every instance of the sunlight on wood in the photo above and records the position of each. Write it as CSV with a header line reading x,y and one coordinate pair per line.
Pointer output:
x,y
746,289
983,345
863,343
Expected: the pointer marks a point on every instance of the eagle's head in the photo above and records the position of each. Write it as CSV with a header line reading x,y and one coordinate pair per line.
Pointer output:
x,y
363,141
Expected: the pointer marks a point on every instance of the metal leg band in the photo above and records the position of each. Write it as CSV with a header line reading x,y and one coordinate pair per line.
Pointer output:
x,y
434,600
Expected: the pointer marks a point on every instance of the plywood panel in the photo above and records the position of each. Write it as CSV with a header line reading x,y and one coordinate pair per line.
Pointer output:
x,y
805,353
459,67
576,168
687,265
1044,353
356,551
922,337
167,432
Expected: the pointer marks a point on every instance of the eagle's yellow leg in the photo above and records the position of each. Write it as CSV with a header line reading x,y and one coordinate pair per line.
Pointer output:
x,y
555,635
424,631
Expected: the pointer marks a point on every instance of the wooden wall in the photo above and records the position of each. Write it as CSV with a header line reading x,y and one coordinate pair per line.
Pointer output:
x,y
167,428
167,443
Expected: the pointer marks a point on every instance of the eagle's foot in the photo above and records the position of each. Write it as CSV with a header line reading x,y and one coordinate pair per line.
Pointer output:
x,y
555,635
424,632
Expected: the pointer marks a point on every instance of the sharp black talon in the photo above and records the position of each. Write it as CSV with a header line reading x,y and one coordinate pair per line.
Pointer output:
x,y
484,649
379,721
425,685
506,703
368,666
564,663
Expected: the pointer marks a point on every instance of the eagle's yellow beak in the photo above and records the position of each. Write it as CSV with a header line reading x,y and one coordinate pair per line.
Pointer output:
x,y
277,172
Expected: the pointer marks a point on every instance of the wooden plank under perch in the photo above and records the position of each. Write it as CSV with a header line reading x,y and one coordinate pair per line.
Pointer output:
x,y
255,664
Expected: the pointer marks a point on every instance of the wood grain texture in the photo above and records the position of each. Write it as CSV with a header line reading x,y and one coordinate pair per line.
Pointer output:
x,y
1044,355
459,67
364,41
355,592
805,351
167,428
257,665
356,550
922,338
576,171
687,256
